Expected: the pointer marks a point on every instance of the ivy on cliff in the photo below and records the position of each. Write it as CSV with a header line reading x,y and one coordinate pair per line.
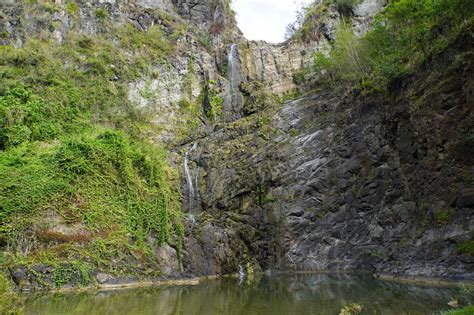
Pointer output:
x,y
73,147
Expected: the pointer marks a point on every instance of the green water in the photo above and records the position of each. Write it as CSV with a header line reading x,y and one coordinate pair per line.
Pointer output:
x,y
277,294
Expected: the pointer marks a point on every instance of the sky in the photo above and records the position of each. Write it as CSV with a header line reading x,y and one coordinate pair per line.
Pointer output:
x,y
266,19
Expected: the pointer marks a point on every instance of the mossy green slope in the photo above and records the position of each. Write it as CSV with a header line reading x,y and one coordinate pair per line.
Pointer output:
x,y
81,186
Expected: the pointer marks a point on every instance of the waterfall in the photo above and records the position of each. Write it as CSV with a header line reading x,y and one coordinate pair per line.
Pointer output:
x,y
234,99
196,183
241,272
233,71
189,177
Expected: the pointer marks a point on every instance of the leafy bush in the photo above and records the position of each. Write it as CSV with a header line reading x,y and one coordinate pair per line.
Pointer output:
x,y
346,60
406,34
26,118
75,271
410,32
351,309
72,8
255,95
122,186
151,45
27,181
101,13
310,20
215,111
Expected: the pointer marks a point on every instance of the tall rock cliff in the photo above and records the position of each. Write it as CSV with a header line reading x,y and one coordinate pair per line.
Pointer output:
x,y
337,182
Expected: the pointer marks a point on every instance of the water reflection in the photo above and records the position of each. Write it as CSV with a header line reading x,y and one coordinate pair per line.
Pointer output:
x,y
277,294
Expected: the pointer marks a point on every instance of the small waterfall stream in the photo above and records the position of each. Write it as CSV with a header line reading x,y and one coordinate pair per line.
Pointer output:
x,y
241,274
233,71
234,99
196,184
192,218
241,271
189,177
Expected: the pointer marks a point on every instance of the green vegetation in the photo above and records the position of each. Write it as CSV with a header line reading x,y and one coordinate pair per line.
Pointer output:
x,y
206,41
309,23
215,110
443,216
189,79
81,186
351,309
9,302
101,13
72,272
344,62
148,47
212,101
121,191
72,8
466,247
256,96
407,34
468,310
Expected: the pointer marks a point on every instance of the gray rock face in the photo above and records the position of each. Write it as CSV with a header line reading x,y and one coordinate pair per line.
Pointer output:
x,y
169,262
275,64
369,7
155,4
331,183
358,210
103,278
196,11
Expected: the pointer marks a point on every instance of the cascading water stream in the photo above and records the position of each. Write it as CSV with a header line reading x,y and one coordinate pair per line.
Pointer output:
x,y
189,177
241,274
234,76
232,67
196,183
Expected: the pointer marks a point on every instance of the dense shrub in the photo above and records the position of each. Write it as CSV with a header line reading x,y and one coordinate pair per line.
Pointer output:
x,y
122,186
406,34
